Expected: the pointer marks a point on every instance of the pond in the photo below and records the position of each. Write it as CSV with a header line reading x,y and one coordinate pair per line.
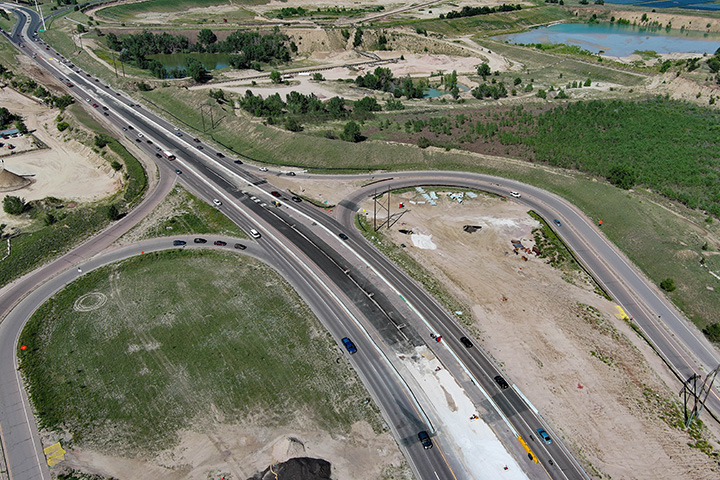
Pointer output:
x,y
211,61
618,40
434,92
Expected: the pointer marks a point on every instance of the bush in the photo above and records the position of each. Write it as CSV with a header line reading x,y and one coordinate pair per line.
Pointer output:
x,y
115,165
14,205
100,141
351,132
622,176
712,331
113,213
62,126
668,284
424,142
292,125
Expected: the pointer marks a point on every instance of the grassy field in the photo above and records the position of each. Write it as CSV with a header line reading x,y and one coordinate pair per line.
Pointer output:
x,y
553,69
7,54
496,23
130,11
183,213
176,351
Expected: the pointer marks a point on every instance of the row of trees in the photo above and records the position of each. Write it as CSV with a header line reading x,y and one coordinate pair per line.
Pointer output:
x,y
29,86
474,11
247,49
383,79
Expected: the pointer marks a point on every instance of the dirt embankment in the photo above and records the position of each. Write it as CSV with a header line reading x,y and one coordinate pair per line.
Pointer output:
x,y
676,21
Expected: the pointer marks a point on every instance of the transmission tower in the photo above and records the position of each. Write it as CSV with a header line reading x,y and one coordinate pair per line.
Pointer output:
x,y
695,391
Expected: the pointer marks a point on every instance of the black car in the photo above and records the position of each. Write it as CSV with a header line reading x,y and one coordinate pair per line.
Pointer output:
x,y
466,341
158,155
220,155
296,199
501,382
200,240
239,162
343,236
178,242
219,243
425,440
240,246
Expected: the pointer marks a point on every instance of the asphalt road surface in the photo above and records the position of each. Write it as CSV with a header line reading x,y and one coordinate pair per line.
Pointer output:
x,y
304,245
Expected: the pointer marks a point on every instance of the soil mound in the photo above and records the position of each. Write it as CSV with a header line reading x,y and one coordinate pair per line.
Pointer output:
x,y
10,181
303,468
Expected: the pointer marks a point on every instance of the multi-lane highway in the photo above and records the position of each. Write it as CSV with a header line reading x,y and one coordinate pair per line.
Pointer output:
x,y
354,289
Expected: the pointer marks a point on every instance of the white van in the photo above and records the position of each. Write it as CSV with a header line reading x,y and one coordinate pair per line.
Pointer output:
x,y
254,233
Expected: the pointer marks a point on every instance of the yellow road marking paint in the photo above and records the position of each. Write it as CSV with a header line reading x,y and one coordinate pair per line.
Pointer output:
x,y
55,454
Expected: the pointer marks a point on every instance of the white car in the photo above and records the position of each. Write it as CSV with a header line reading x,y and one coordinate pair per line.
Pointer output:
x,y
216,202
254,233
263,169
515,194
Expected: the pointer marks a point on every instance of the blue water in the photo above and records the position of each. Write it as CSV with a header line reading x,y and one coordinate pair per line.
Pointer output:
x,y
211,61
434,92
618,40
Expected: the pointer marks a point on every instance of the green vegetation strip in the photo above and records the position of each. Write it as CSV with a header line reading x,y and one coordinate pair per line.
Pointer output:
x,y
128,355
412,268
189,215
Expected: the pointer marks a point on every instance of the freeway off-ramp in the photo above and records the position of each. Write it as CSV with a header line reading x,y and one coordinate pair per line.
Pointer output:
x,y
310,255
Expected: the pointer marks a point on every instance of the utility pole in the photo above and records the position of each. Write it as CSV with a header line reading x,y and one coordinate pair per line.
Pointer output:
x,y
388,209
114,64
39,10
202,115
375,211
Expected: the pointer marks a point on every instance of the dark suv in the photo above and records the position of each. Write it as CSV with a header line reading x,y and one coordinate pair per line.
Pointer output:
x,y
425,440
200,240
466,341
501,382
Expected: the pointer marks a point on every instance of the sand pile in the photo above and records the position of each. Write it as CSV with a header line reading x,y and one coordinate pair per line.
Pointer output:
x,y
10,181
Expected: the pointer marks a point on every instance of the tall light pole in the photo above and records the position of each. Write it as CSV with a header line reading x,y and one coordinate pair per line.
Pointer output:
x,y
39,9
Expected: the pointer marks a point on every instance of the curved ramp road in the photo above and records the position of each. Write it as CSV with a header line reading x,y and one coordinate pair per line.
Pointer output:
x,y
353,288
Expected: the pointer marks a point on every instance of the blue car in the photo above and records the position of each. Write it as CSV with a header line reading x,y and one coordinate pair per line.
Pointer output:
x,y
557,222
177,243
349,345
544,436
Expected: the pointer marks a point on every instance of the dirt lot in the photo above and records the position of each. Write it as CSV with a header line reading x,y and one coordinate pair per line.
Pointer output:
x,y
238,452
66,169
600,387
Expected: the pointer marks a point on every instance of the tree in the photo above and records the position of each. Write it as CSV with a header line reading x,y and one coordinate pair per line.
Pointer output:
x,y
206,36
14,205
668,284
483,70
81,28
318,77
713,64
20,125
113,213
100,141
712,331
195,69
292,124
622,176
351,132
358,37
275,77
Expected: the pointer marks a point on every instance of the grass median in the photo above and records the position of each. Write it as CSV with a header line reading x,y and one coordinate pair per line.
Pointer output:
x,y
127,356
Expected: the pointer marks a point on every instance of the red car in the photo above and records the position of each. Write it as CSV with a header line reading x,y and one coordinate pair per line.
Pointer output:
x,y
220,243
240,246
69,84
95,105
275,194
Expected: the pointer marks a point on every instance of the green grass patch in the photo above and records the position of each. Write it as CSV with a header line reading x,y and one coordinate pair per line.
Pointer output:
x,y
176,351
183,213
496,23
412,268
7,23
130,11
7,54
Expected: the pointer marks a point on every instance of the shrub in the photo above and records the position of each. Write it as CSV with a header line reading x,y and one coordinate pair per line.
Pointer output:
x,y
424,142
351,132
712,331
115,165
668,284
113,213
62,126
14,205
